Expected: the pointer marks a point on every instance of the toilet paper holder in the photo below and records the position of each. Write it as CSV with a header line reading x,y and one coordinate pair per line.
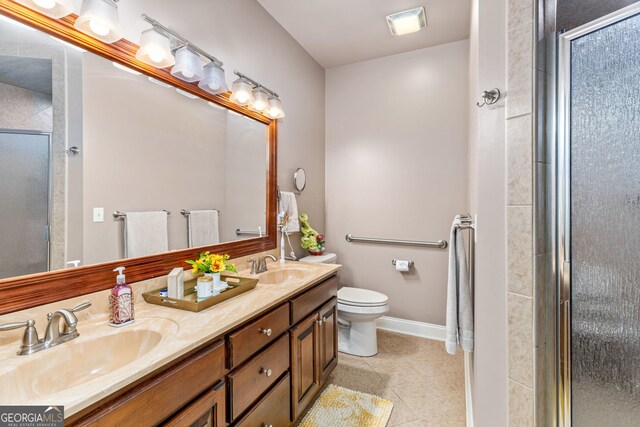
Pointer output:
x,y
411,263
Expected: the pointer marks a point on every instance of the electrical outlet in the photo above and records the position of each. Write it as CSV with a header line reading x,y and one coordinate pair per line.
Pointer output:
x,y
98,214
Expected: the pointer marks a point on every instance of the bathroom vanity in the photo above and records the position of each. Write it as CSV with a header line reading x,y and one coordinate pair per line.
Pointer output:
x,y
256,359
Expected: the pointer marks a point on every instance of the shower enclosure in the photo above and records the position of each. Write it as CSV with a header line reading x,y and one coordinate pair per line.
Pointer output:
x,y
598,222
24,202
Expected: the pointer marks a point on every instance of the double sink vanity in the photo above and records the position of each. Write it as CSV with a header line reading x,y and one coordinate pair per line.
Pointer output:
x,y
255,360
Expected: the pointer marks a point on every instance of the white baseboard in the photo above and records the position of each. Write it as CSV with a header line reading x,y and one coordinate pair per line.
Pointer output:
x,y
411,327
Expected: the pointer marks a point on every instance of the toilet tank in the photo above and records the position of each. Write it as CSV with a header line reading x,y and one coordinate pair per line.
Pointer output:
x,y
326,258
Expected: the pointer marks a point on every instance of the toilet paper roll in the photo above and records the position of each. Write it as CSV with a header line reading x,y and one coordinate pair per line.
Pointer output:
x,y
402,265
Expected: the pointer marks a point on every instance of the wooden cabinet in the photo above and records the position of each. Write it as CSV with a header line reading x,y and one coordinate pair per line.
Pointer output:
x,y
328,336
206,411
305,354
314,355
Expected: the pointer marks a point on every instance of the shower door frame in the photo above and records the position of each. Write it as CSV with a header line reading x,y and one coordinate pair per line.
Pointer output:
x,y
563,205
49,182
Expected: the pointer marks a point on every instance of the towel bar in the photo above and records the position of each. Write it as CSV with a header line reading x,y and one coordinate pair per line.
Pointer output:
x,y
187,213
119,215
440,244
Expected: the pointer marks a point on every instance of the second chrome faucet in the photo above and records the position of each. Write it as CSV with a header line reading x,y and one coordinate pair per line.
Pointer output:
x,y
259,265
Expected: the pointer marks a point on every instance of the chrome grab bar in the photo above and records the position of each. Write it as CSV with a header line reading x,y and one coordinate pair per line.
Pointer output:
x,y
248,233
440,244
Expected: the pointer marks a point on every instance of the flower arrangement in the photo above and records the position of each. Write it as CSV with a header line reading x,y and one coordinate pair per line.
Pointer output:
x,y
311,240
211,263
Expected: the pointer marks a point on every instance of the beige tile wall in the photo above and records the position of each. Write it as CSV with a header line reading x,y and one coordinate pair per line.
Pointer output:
x,y
520,249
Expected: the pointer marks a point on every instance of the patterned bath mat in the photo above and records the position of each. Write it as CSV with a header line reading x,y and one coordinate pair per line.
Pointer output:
x,y
341,407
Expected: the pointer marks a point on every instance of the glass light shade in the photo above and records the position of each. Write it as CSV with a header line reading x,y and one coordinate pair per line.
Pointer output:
x,y
53,8
241,92
99,19
188,65
155,49
274,110
260,100
213,80
407,21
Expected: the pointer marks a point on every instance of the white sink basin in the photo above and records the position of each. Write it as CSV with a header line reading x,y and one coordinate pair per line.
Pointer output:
x,y
285,275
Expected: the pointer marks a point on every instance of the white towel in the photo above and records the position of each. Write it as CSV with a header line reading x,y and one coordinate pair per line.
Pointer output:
x,y
203,228
289,206
145,233
459,303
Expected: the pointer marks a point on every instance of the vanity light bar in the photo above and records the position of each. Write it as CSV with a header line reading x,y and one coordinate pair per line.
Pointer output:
x,y
184,42
256,84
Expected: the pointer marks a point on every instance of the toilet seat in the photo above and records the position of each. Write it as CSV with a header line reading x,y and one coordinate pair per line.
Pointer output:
x,y
356,297
355,309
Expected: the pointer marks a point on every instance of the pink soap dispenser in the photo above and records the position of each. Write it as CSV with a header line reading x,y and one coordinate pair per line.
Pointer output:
x,y
120,302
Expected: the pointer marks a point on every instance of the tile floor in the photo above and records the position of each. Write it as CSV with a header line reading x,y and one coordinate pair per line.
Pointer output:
x,y
425,384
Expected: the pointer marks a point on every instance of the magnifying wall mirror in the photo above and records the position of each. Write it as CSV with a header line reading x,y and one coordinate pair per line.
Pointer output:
x,y
300,179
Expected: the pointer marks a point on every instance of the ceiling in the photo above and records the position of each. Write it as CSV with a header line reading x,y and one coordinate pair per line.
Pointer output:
x,y
339,32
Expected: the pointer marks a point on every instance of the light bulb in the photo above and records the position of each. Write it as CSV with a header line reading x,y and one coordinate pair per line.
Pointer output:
x,y
99,28
187,74
242,97
259,105
45,4
213,86
156,54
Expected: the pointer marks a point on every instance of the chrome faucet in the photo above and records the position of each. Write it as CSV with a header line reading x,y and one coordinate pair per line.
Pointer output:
x,y
30,342
259,265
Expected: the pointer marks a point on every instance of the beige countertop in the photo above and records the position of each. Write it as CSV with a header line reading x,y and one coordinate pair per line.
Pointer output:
x,y
104,359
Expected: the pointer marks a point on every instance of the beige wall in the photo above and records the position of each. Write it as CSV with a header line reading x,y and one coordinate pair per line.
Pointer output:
x,y
396,168
487,201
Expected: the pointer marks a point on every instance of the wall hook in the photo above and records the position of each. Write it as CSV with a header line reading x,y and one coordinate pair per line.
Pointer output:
x,y
489,97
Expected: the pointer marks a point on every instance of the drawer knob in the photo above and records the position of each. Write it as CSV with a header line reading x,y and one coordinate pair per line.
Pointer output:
x,y
266,331
266,372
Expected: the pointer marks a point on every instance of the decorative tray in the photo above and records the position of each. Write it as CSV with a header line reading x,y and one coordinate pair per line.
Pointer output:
x,y
237,286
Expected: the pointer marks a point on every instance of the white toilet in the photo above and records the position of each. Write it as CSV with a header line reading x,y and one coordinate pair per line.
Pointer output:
x,y
358,310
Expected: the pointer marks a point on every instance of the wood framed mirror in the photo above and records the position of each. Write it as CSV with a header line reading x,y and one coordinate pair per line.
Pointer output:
x,y
25,291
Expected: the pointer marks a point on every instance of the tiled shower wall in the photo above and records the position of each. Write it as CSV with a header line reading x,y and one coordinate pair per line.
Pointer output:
x,y
520,208
50,119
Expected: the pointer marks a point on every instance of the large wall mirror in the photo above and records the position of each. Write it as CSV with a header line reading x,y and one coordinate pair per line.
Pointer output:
x,y
87,145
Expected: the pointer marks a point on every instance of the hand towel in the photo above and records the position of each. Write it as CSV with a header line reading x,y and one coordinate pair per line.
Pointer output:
x,y
203,228
145,233
289,206
459,303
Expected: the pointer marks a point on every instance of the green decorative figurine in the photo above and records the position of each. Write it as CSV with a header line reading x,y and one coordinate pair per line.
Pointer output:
x,y
311,240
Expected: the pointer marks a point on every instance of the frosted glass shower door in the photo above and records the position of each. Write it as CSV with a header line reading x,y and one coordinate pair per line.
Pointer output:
x,y
24,203
604,146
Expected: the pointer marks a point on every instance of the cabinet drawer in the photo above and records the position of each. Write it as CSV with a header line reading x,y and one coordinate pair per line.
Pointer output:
x,y
257,334
313,299
206,410
272,410
249,382
157,398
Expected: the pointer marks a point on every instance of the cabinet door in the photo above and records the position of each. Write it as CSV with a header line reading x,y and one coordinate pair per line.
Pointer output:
x,y
207,410
328,338
305,355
